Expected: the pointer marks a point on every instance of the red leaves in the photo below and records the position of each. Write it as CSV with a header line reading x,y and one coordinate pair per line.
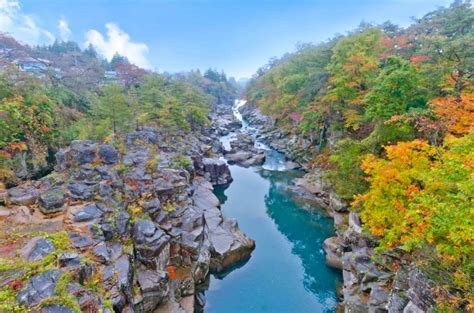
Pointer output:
x,y
7,248
133,184
129,74
15,284
5,154
419,58
295,117
11,148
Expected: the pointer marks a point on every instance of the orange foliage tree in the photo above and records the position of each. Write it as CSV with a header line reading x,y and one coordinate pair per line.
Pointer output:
x,y
456,113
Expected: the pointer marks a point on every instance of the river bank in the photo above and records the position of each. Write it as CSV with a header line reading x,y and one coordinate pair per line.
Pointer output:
x,y
372,282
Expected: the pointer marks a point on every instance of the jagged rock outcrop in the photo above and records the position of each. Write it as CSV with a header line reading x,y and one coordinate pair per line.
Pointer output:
x,y
243,152
223,120
217,170
295,147
228,245
143,223
253,115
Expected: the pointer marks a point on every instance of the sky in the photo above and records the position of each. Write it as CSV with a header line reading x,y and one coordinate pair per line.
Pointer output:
x,y
178,35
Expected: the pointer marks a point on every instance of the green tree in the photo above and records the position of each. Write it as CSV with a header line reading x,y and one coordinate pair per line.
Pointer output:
x,y
398,88
447,36
118,59
113,106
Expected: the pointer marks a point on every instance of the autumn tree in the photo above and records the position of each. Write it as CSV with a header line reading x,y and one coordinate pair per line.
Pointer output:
x,y
26,128
354,66
129,75
457,113
420,196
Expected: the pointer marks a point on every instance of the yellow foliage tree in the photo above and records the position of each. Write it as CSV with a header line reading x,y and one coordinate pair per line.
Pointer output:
x,y
423,196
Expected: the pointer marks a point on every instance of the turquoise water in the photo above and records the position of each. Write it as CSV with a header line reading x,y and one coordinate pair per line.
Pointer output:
x,y
286,273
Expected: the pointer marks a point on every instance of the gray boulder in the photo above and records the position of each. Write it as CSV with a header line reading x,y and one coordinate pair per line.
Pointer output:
x,y
23,195
238,157
82,191
255,160
81,241
51,201
83,151
101,252
136,157
69,259
152,207
37,248
218,171
88,213
378,297
122,223
150,242
108,154
39,288
143,136
154,288
246,158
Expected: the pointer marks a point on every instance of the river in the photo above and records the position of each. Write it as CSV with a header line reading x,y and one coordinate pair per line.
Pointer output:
x,y
287,272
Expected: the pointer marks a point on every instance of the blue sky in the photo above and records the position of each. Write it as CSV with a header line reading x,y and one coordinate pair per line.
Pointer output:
x,y
176,35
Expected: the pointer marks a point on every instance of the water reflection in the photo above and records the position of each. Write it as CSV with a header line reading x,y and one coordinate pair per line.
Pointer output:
x,y
303,227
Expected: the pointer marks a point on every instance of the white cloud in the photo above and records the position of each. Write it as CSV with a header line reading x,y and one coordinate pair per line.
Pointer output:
x,y
64,30
118,41
21,26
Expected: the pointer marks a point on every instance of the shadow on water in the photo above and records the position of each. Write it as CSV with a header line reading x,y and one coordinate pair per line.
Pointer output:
x,y
302,226
219,191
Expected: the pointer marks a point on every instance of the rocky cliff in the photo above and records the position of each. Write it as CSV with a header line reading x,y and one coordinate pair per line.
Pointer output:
x,y
131,226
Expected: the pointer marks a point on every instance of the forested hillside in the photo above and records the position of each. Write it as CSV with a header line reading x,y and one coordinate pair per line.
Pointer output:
x,y
50,95
392,112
